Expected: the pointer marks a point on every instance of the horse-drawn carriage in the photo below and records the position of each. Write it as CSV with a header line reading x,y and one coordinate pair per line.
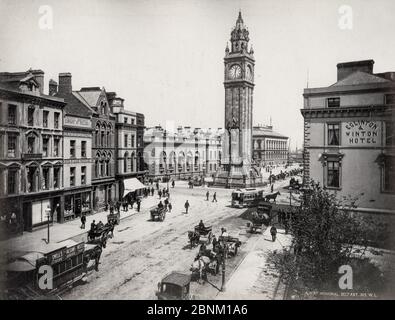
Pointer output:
x,y
200,234
114,218
261,217
158,214
231,244
100,234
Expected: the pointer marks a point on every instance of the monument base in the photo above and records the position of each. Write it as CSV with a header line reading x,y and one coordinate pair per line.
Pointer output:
x,y
237,178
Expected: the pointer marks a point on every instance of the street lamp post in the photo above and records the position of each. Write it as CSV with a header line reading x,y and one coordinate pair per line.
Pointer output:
x,y
48,213
223,275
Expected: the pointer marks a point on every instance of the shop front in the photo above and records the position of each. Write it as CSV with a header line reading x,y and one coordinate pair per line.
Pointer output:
x,y
34,209
103,195
77,203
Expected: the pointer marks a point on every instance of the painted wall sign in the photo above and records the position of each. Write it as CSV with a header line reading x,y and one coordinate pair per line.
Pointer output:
x,y
77,122
361,133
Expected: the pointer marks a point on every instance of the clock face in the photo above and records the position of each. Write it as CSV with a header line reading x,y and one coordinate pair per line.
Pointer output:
x,y
249,73
235,72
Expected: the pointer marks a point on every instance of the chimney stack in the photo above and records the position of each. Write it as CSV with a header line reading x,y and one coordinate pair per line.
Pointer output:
x,y
39,76
53,87
346,68
64,84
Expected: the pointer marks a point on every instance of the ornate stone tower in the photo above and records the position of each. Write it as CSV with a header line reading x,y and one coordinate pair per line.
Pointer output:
x,y
237,169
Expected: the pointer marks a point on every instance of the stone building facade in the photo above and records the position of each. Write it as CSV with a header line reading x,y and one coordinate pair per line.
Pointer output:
x,y
270,148
129,142
31,154
187,152
103,146
77,150
348,136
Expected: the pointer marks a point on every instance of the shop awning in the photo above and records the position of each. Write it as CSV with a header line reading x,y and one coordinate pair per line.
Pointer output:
x,y
131,185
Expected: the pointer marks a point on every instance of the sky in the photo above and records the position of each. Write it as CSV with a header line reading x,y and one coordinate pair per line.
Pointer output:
x,y
165,57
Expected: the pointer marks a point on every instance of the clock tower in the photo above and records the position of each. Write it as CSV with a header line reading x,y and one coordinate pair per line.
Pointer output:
x,y
237,169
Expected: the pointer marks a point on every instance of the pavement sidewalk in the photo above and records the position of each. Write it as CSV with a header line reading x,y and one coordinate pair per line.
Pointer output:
x,y
36,240
255,278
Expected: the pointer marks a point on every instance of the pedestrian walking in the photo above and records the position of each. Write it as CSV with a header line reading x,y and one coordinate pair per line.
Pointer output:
x,y
152,191
173,184
138,205
160,194
166,203
170,207
207,195
215,197
83,221
187,205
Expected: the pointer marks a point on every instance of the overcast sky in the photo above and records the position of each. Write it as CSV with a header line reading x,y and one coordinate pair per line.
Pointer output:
x,y
165,58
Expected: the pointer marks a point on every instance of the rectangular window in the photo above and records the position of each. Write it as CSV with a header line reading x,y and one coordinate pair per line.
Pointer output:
x,y
45,118
125,141
45,147
333,134
11,151
72,176
30,116
132,120
56,120
72,148
132,141
45,178
333,102
56,144
11,114
390,98
389,172
333,174
56,177
83,149
83,175
11,181
125,120
30,144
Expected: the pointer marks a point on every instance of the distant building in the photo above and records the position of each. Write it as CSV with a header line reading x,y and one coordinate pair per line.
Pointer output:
x,y
270,148
185,153
77,149
31,150
129,143
349,145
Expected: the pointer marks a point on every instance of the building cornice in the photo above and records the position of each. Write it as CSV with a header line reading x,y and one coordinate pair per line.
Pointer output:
x,y
344,112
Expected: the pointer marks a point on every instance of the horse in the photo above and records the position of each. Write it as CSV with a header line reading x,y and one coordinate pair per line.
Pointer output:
x,y
199,266
272,196
194,238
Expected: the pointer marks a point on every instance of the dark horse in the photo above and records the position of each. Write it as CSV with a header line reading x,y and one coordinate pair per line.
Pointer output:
x,y
272,196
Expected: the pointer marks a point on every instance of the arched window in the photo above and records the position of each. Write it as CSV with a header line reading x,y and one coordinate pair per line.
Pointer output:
x,y
97,134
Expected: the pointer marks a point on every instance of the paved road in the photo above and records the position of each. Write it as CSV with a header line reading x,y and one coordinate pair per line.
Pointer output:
x,y
142,251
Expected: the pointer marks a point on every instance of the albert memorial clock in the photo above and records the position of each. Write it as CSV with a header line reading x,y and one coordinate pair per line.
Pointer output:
x,y
239,86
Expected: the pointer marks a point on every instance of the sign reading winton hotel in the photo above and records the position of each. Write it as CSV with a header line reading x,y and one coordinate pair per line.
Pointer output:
x,y
361,133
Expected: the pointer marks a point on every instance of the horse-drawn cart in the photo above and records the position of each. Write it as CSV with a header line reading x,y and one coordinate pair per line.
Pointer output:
x,y
158,214
205,233
232,244
114,218
200,234
261,217
100,234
